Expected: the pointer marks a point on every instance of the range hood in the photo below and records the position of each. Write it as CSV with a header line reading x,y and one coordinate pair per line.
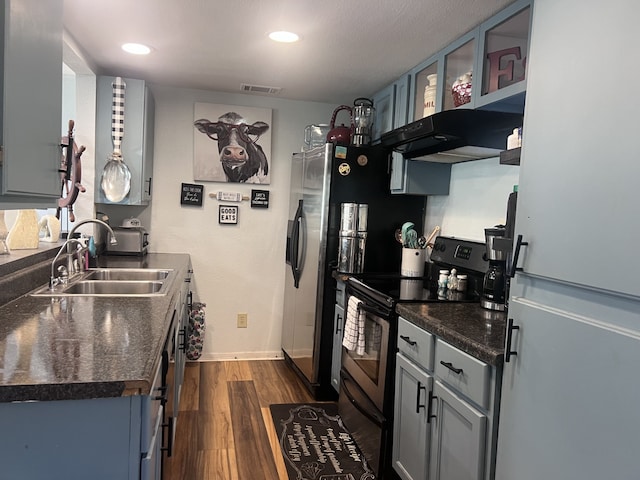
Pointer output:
x,y
454,136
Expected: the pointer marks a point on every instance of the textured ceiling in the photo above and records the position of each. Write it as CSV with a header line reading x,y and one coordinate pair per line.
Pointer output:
x,y
348,48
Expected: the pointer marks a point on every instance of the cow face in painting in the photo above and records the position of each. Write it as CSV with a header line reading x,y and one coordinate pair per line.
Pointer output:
x,y
241,157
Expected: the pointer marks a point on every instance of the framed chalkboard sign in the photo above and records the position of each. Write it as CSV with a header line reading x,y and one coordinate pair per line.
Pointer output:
x,y
259,198
191,194
228,214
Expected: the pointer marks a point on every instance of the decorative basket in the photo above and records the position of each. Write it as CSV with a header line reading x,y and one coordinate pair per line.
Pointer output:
x,y
461,93
195,332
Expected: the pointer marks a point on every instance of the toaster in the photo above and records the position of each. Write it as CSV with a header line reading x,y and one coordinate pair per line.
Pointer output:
x,y
131,241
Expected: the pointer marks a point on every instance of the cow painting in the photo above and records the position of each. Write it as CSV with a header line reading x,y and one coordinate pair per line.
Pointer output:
x,y
241,158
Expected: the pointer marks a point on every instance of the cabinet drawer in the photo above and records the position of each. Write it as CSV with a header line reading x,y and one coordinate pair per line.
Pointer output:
x,y
151,411
468,375
415,343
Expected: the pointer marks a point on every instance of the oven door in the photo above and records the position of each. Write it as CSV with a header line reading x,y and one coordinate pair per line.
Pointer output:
x,y
369,369
364,422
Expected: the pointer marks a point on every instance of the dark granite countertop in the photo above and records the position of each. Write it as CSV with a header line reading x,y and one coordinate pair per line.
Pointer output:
x,y
87,347
467,326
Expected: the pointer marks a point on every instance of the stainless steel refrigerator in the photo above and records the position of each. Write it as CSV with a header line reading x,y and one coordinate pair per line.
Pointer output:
x,y
322,179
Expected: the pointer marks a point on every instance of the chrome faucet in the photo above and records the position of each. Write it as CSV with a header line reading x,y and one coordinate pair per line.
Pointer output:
x,y
113,240
65,272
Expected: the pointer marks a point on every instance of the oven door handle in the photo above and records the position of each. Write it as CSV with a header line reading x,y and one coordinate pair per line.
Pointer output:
x,y
379,421
376,311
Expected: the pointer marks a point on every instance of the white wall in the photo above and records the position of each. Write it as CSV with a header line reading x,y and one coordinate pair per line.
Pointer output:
x,y
237,268
477,199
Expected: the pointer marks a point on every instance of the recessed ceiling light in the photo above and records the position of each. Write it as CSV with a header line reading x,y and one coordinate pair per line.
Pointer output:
x,y
284,37
136,48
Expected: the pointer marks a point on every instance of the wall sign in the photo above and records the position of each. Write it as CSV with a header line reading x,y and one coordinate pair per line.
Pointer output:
x,y
259,198
191,194
228,214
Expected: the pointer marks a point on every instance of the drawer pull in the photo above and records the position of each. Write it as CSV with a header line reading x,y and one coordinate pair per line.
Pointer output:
x,y
408,340
418,406
450,366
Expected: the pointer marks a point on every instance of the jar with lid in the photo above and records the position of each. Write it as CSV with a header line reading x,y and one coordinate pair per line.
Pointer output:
x,y
462,283
430,96
443,278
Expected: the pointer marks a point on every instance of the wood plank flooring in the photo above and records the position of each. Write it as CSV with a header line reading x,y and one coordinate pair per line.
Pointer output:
x,y
224,428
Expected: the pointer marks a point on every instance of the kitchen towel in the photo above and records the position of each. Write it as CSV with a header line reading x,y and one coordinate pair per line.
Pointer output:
x,y
354,327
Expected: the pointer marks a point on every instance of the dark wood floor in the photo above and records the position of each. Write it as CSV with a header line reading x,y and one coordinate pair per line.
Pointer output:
x,y
225,429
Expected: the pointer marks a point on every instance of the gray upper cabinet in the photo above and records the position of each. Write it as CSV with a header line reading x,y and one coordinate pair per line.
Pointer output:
x,y
578,166
494,52
383,102
32,102
409,176
137,142
433,80
502,59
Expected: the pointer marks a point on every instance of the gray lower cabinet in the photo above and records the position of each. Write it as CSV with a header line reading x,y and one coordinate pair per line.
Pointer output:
x,y
445,410
459,437
338,332
411,428
102,438
31,111
119,438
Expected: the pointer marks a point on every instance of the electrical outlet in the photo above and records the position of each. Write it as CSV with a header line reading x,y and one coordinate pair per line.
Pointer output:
x,y
242,320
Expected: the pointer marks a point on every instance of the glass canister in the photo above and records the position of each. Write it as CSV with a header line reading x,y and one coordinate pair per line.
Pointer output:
x,y
315,135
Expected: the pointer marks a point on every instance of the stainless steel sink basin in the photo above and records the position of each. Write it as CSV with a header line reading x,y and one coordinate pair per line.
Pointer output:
x,y
104,288
127,274
113,288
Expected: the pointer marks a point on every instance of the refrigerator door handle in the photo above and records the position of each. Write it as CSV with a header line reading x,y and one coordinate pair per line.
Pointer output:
x,y
294,245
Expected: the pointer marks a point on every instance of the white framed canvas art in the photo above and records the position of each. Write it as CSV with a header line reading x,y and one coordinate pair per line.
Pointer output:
x,y
232,144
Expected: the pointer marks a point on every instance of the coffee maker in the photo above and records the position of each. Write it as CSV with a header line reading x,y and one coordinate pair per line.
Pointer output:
x,y
494,282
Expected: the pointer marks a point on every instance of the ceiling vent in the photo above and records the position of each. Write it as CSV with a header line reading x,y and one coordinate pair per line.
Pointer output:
x,y
260,89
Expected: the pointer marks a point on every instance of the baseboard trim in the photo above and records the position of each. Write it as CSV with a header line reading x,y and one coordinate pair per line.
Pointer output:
x,y
217,357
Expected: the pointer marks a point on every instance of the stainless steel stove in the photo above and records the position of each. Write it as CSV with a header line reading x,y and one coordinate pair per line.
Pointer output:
x,y
367,383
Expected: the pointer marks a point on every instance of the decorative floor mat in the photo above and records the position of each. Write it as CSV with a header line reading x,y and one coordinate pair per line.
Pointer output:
x,y
316,445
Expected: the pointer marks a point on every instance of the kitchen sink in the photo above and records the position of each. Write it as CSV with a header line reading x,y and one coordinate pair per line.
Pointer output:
x,y
104,288
112,282
127,274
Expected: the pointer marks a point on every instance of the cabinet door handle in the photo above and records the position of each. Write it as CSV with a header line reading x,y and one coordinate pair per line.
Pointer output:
x,y
507,351
429,406
182,345
420,387
450,366
338,327
408,340
149,190
516,254
163,395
